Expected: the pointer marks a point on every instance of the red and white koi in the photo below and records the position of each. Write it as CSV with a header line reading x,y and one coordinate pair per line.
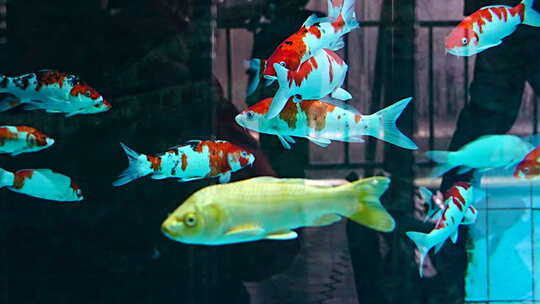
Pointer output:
x,y
321,123
488,26
313,36
320,76
529,167
197,159
458,211
22,139
41,183
52,91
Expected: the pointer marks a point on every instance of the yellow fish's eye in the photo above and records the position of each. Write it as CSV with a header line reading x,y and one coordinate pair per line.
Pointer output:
x,y
190,220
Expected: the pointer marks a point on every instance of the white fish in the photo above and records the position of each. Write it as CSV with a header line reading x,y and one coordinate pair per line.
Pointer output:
x,y
484,153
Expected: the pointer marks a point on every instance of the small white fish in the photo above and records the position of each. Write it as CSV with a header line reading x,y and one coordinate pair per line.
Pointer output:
x,y
485,153
41,183
458,211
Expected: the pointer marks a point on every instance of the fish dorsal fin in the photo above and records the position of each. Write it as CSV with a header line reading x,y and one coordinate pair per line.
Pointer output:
x,y
311,20
282,235
245,229
270,179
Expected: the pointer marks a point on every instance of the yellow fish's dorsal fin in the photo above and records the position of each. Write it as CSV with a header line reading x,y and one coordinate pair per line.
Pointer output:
x,y
300,181
282,235
245,229
270,179
370,211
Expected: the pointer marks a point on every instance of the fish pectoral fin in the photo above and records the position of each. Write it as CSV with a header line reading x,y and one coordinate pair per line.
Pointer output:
x,y
282,235
341,94
325,220
354,139
311,20
69,114
323,142
187,179
284,142
289,139
245,229
225,178
454,236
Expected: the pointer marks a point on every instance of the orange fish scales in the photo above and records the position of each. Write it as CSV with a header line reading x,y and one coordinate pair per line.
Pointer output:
x,y
288,114
21,177
184,162
316,113
305,69
155,162
262,106
5,135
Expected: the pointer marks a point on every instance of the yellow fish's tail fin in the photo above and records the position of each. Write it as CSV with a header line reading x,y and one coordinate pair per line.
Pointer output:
x,y
370,212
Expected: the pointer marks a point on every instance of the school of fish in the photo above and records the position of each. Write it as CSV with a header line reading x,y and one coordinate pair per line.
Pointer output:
x,y
310,102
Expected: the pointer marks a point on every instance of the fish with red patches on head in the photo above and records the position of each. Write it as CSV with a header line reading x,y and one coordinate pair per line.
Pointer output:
x,y
16,140
321,123
529,167
313,36
488,26
52,91
197,159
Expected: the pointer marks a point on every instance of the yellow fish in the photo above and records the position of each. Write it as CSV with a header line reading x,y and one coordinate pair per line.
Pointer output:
x,y
269,208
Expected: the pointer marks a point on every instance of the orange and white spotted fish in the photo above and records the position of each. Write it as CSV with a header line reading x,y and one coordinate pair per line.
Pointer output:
x,y
488,26
41,183
52,91
458,210
313,36
529,167
321,123
197,159
15,140
319,77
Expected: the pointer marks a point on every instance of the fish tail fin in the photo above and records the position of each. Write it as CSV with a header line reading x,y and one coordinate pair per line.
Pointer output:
x,y
421,240
530,15
384,125
333,9
370,212
443,164
134,170
6,178
348,16
254,67
8,101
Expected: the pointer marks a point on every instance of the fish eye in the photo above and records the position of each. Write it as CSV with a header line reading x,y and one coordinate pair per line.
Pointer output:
x,y
244,154
249,115
526,170
282,63
464,40
87,93
190,220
